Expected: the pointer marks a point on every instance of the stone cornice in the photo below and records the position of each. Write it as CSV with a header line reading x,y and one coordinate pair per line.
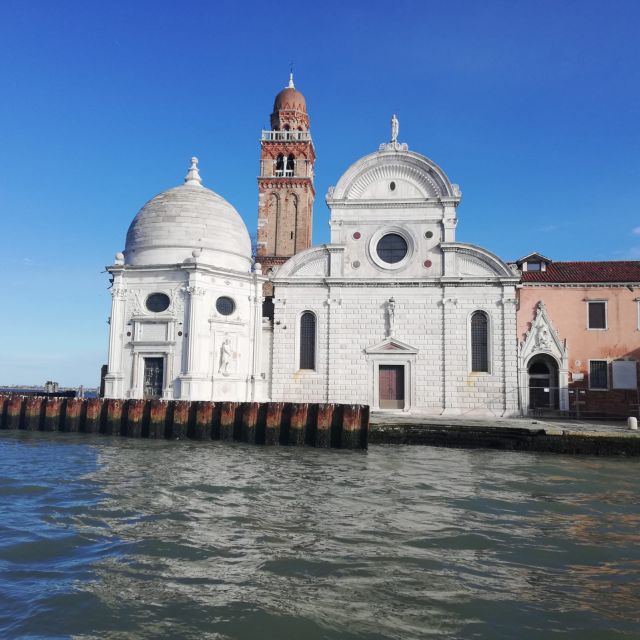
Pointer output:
x,y
385,284
390,204
188,266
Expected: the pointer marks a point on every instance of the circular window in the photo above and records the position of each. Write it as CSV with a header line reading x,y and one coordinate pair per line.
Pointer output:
x,y
225,306
158,302
392,186
392,248
429,234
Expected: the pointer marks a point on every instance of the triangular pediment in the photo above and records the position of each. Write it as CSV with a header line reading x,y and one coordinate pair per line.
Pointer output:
x,y
391,345
542,337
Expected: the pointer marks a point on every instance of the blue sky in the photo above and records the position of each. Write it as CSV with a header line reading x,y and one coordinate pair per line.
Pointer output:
x,y
532,107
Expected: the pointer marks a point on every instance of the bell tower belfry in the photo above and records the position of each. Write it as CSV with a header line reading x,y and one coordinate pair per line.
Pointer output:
x,y
285,184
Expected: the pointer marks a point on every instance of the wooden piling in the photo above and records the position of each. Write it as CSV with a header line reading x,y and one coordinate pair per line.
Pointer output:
x,y
273,422
52,414
298,423
14,412
72,415
249,421
93,415
324,420
351,417
158,419
201,429
180,423
227,420
33,413
135,417
113,423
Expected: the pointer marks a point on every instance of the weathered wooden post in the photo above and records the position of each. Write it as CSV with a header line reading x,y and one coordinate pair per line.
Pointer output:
x,y
249,421
135,417
4,403
298,423
113,423
33,413
14,412
202,423
227,420
180,419
52,414
158,418
351,420
273,422
72,415
324,420
93,415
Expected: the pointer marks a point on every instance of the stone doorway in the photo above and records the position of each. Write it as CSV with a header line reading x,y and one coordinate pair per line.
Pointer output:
x,y
391,386
543,383
153,377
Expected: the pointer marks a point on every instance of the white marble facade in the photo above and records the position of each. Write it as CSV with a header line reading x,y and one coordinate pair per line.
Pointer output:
x,y
377,311
392,297
186,311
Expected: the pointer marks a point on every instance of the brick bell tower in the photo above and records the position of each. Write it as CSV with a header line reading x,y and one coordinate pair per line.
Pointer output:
x,y
285,184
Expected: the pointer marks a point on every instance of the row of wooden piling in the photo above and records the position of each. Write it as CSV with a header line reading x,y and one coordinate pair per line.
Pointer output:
x,y
320,425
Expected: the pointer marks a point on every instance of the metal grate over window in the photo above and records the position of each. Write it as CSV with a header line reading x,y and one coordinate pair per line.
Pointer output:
x,y
598,374
308,341
479,341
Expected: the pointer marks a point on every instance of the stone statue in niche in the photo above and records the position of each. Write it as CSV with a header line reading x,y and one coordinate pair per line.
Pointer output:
x,y
225,357
391,313
542,339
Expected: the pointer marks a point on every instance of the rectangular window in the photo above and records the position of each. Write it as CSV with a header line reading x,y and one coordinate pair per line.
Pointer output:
x,y
533,266
597,315
598,374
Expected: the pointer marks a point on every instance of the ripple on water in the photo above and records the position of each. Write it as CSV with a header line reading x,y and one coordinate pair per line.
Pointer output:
x,y
116,538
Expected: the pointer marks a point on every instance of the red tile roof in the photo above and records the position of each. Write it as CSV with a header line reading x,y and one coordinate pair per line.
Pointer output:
x,y
611,271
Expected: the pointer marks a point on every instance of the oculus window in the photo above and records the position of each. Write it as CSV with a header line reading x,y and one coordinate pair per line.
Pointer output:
x,y
225,306
158,302
392,248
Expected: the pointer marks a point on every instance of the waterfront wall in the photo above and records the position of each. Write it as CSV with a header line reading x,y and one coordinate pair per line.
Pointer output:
x,y
321,425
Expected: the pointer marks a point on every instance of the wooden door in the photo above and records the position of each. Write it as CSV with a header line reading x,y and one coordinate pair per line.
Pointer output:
x,y
391,386
153,377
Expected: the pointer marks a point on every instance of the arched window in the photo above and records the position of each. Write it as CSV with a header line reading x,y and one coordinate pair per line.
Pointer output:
x,y
290,165
479,341
308,340
280,165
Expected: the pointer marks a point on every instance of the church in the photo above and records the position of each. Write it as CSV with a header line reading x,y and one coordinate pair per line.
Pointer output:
x,y
392,312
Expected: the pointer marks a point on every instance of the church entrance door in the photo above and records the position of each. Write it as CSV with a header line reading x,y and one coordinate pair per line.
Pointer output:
x,y
543,383
153,377
391,386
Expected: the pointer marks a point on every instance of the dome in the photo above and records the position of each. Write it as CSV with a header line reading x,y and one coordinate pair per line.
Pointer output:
x,y
290,99
186,221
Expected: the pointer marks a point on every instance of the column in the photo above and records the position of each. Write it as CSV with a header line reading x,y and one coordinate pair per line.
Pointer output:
x,y
114,378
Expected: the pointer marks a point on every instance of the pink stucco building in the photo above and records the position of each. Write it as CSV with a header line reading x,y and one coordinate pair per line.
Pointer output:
x,y
578,329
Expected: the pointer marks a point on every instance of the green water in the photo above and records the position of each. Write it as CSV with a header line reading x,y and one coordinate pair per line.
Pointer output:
x,y
114,538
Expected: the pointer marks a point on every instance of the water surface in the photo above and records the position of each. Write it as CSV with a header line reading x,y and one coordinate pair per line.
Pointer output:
x,y
115,538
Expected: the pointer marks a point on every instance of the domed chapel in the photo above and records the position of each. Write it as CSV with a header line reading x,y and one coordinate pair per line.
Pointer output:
x,y
392,312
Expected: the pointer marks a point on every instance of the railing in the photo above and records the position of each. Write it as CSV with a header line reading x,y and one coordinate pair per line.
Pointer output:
x,y
284,173
286,136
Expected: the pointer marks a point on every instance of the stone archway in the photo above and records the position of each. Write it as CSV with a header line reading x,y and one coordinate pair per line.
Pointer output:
x,y
543,378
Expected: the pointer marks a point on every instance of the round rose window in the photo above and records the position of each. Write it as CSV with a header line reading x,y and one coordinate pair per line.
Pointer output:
x,y
392,248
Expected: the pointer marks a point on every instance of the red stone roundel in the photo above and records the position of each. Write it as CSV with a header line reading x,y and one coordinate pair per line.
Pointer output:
x,y
356,235
427,263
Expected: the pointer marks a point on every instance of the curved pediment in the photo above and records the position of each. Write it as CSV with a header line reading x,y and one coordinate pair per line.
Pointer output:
x,y
312,262
468,260
415,177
